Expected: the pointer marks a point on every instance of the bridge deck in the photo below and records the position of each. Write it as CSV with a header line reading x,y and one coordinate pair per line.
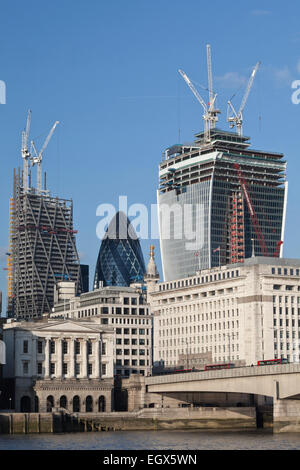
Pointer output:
x,y
235,372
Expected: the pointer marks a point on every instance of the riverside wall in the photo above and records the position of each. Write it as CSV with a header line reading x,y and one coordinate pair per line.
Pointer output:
x,y
201,418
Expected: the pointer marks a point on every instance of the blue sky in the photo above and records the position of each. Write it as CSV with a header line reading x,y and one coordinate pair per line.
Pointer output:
x,y
107,70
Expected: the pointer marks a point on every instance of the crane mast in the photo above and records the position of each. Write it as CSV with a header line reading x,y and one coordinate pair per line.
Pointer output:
x,y
39,157
210,113
25,152
237,118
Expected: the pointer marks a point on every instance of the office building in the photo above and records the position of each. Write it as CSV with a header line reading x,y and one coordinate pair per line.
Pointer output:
x,y
120,261
219,202
241,313
42,246
125,309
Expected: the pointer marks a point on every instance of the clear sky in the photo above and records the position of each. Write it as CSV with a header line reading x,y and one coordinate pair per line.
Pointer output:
x,y
108,71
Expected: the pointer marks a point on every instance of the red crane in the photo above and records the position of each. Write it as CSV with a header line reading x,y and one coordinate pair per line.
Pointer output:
x,y
253,216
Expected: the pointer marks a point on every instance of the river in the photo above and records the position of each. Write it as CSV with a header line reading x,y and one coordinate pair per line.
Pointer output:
x,y
154,440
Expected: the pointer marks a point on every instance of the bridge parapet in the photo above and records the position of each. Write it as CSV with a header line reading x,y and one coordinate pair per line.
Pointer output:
x,y
249,371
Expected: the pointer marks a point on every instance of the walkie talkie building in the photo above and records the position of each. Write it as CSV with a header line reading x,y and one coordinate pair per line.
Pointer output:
x,y
219,202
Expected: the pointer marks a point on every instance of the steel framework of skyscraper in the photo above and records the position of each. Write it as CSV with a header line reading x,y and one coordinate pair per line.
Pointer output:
x,y
42,243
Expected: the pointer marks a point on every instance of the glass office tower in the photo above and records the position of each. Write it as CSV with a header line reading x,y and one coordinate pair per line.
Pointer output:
x,y
219,202
120,261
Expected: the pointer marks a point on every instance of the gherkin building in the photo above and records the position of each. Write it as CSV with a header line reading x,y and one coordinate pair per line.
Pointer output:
x,y
120,261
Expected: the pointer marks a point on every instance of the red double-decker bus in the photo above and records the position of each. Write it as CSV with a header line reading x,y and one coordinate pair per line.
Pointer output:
x,y
270,362
228,365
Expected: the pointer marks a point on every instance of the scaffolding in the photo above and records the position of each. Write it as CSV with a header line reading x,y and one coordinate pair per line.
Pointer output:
x,y
42,245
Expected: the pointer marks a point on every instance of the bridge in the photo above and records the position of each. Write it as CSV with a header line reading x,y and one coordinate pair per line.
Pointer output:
x,y
281,382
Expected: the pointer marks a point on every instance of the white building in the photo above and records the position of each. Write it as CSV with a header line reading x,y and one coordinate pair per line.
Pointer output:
x,y
242,312
65,363
124,309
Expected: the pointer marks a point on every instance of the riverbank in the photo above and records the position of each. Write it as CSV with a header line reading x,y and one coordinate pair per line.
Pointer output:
x,y
213,418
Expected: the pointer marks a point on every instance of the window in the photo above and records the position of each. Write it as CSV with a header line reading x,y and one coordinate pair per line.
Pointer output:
x,y
103,369
39,368
65,347
25,367
77,368
40,347
52,347
118,310
90,369
126,300
25,346
142,331
52,368
133,301
103,349
90,347
77,347
65,368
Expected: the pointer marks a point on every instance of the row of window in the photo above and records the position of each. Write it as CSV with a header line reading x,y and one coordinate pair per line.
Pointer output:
x,y
286,271
65,347
286,287
287,311
65,368
198,280
133,352
134,341
132,362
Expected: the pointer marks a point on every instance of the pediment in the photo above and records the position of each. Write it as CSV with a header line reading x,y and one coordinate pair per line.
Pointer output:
x,y
69,326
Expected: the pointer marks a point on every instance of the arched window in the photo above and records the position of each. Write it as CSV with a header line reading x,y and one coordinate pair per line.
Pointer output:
x,y
89,404
76,404
50,403
63,402
25,404
101,403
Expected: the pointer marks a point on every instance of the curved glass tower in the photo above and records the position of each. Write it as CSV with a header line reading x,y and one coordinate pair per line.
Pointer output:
x,y
120,261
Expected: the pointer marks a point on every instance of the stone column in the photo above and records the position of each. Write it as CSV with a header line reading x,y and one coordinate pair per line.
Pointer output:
x,y
84,359
47,357
96,344
72,358
58,372
34,357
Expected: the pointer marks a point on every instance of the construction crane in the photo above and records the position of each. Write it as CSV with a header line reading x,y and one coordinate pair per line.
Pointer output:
x,y
210,113
25,152
237,118
253,216
37,159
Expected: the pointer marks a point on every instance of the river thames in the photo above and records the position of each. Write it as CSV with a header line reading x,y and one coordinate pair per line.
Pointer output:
x,y
154,440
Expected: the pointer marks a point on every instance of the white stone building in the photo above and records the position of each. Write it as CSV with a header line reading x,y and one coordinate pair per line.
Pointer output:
x,y
242,312
124,309
60,364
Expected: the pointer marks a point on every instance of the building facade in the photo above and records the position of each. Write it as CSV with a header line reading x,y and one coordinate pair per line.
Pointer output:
x,y
239,313
42,250
219,202
124,309
60,364
120,261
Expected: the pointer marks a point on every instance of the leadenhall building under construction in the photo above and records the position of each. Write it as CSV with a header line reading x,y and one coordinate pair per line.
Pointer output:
x,y
42,248
230,196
